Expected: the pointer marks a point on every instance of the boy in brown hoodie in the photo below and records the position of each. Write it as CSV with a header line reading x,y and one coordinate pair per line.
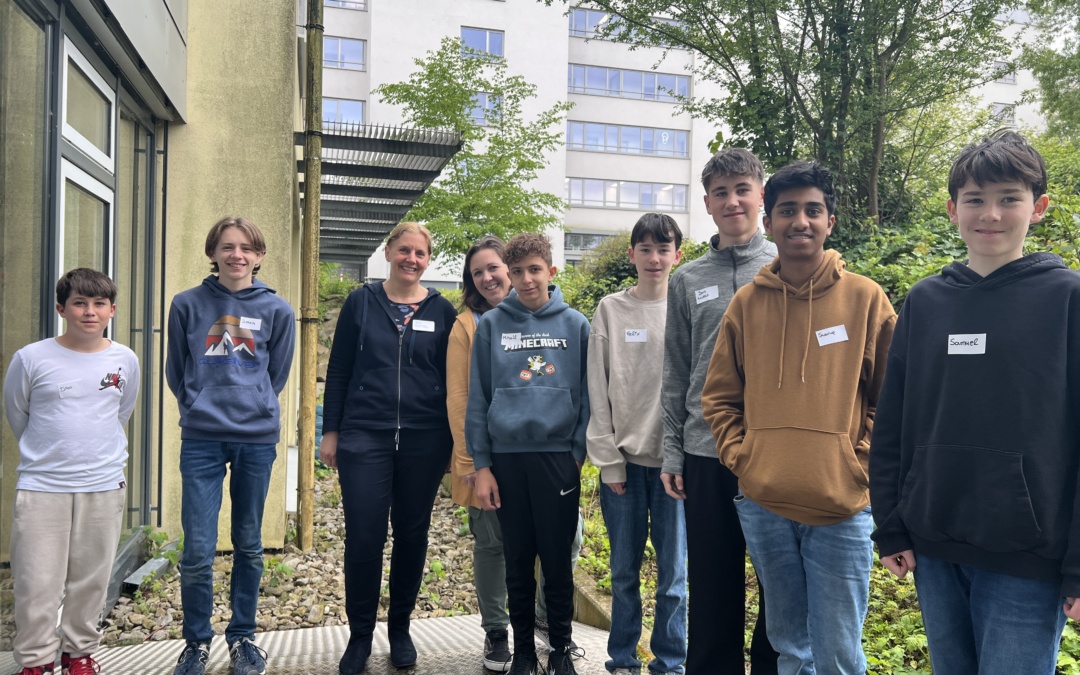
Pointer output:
x,y
790,396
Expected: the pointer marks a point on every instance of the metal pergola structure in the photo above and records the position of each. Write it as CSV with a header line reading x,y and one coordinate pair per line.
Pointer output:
x,y
371,177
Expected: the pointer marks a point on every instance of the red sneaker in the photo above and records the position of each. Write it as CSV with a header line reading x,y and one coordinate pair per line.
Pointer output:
x,y
36,670
79,665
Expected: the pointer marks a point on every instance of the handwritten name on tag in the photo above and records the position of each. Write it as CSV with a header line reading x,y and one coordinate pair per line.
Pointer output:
x,y
69,389
250,324
828,336
967,343
423,325
706,294
637,335
510,339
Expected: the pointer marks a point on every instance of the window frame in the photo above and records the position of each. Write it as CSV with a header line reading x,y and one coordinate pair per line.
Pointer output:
x,y
614,83
644,189
621,147
70,52
347,4
339,101
486,51
339,63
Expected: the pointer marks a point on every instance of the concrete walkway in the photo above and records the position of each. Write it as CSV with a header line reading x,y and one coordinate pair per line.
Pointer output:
x,y
447,646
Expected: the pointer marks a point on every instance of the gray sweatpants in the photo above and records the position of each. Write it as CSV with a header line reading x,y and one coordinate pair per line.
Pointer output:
x,y
62,549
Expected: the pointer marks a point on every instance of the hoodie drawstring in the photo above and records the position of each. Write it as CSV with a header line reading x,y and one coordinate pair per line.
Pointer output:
x,y
809,329
783,336
363,319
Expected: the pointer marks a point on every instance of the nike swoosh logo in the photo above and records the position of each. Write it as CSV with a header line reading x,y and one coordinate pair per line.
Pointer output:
x,y
563,493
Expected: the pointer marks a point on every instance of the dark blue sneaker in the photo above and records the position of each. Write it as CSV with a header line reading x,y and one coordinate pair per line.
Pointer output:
x,y
245,658
193,659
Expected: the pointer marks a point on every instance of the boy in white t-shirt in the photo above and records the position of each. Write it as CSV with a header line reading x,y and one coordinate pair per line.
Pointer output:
x,y
67,400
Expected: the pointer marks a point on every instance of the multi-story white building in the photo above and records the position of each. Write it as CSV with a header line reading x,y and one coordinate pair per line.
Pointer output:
x,y
628,149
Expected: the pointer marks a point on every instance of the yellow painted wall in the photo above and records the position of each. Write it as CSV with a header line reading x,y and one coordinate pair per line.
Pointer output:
x,y
234,156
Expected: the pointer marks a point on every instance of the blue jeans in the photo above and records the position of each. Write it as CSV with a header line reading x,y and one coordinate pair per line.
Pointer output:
x,y
984,622
202,467
818,583
628,518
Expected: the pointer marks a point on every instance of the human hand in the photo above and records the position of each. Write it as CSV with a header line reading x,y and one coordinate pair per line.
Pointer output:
x,y
328,449
1072,608
673,485
901,563
617,488
487,489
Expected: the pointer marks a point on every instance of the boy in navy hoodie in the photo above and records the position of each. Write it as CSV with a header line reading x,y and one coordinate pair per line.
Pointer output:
x,y
525,429
976,442
229,353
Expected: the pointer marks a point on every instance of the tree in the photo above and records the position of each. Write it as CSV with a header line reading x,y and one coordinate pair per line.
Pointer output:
x,y
825,78
484,188
1054,60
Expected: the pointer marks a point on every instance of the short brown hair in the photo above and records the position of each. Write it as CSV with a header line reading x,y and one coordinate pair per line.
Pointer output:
x,y
1002,157
85,282
526,244
732,162
470,294
408,227
250,229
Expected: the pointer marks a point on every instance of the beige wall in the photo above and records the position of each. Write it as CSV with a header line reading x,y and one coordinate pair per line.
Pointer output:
x,y
234,156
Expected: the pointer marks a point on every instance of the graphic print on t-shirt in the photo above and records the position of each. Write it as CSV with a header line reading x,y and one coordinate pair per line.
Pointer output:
x,y
116,379
227,337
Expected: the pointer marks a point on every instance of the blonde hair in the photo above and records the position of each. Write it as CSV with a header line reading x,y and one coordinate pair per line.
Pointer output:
x,y
408,228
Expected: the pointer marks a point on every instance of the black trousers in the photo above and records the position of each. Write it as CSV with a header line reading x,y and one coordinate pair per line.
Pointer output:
x,y
716,555
539,492
378,481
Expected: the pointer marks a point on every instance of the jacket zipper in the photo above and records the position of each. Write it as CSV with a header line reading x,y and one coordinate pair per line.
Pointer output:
x,y
734,271
397,432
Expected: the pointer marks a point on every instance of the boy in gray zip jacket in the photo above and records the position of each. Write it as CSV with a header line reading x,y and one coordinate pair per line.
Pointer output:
x,y
698,295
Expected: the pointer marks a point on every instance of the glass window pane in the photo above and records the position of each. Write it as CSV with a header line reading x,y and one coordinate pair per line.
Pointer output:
x,y
632,83
88,111
613,84
85,219
24,69
645,202
594,192
351,112
352,54
592,21
578,77
596,80
647,145
594,136
575,134
679,199
667,84
474,39
682,86
662,193
329,111
665,142
576,191
628,197
680,143
611,193
612,144
631,140
650,86
495,43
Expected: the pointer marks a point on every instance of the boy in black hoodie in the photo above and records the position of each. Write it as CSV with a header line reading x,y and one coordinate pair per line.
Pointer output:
x,y
974,456
525,429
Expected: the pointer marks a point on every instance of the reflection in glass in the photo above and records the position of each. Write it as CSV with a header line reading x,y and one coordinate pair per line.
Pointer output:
x,y
87,110
85,221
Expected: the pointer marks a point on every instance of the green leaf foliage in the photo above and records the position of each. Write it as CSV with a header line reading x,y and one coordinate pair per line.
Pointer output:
x,y
484,188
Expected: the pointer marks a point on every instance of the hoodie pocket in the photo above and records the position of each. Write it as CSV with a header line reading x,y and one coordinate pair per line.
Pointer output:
x,y
815,470
973,495
522,414
228,407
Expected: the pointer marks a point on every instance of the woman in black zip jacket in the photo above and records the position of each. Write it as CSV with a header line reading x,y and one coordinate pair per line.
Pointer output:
x,y
385,429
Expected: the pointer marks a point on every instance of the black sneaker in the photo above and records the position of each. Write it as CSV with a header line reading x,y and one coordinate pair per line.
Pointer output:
x,y
193,659
561,662
246,658
497,650
525,663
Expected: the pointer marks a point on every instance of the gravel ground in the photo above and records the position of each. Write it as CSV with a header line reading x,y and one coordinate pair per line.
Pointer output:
x,y
301,590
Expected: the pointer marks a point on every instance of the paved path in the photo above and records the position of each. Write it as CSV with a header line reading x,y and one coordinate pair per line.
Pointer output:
x,y
447,646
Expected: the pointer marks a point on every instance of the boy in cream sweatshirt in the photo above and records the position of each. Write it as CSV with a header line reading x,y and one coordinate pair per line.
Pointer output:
x,y
625,440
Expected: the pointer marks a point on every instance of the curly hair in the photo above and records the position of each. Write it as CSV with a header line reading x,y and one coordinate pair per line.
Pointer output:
x,y
526,244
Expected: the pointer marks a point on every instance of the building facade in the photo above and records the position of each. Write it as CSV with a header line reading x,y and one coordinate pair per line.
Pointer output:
x,y
127,128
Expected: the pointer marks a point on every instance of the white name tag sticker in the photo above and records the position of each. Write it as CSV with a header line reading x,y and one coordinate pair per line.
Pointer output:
x,y
423,325
967,343
829,336
250,324
706,294
510,339
69,389
637,335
